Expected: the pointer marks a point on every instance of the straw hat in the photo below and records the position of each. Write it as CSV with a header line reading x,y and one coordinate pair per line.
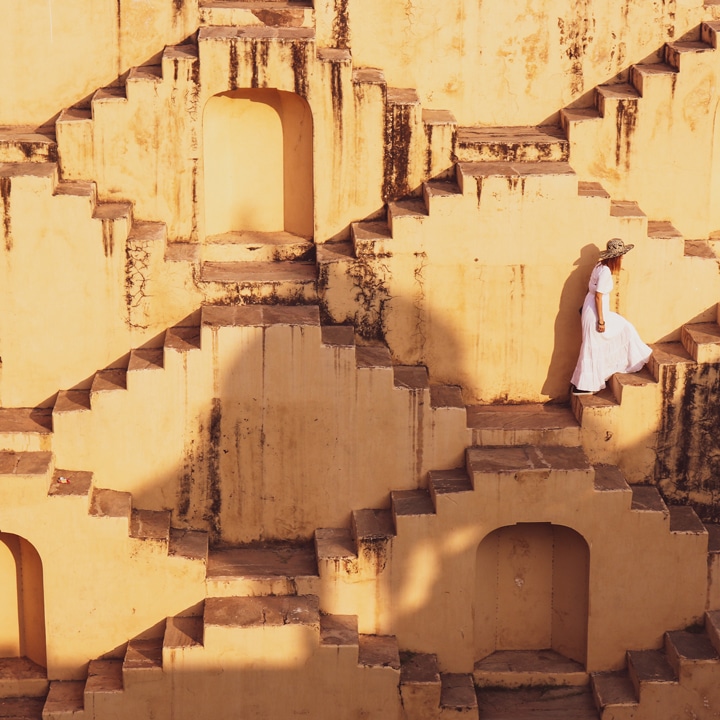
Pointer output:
x,y
615,248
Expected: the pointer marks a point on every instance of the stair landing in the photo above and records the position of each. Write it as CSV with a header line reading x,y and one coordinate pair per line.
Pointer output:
x,y
558,703
527,668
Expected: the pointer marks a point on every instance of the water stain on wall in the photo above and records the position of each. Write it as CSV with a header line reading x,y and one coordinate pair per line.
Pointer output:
x,y
5,185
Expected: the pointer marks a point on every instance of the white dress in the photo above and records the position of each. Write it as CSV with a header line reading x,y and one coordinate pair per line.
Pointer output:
x,y
618,349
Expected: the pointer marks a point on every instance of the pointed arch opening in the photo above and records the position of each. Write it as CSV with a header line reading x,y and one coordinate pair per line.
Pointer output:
x,y
22,604
532,582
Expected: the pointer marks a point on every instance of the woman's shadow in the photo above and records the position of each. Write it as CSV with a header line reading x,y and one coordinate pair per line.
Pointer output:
x,y
567,330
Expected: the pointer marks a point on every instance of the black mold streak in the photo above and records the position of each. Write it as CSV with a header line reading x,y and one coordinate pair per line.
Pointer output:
x,y
428,151
5,185
299,63
625,121
233,65
341,25
398,135
108,236
337,94
213,470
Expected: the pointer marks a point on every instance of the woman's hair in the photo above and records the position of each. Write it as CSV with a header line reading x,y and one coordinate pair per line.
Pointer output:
x,y
613,263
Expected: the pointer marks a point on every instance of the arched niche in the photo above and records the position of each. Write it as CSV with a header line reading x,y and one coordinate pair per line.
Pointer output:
x,y
531,591
258,163
22,604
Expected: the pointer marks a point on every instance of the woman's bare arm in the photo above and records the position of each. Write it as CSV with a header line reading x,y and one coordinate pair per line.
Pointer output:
x,y
599,308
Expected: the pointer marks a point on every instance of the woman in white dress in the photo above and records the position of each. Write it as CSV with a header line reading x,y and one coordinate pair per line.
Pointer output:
x,y
610,344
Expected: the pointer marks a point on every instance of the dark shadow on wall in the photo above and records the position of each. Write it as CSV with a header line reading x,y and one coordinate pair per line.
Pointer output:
x,y
567,333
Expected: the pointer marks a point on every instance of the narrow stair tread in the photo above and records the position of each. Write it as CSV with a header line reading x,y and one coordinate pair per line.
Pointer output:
x,y
143,654
65,696
110,503
655,68
371,230
21,708
372,355
646,498
533,416
533,703
592,189
190,544
67,483
614,688
411,377
25,463
498,168
692,645
703,333
419,668
145,359
671,353
20,668
619,91
183,338
650,666
262,611
456,480
408,206
511,134
609,478
104,676
372,524
255,237
263,560
72,401
255,32
662,230
150,524
109,380
446,396
334,543
713,531
338,335
511,459
457,691
378,651
258,271
26,420
183,631
412,502
683,519
339,630
539,662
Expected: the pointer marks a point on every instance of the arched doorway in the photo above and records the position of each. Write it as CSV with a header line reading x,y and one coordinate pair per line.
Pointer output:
x,y
531,591
22,606
258,163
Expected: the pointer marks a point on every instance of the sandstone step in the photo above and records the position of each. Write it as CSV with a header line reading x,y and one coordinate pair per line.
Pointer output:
x,y
183,631
271,13
626,209
592,189
143,659
110,503
572,116
457,695
447,396
472,177
150,525
371,526
677,52
66,700
340,633
371,238
406,207
420,684
336,548
338,335
248,33
77,188
261,282
72,401
373,355
25,429
411,377
145,359
683,519
609,478
253,246
21,677
646,498
246,612
663,230
648,667
447,482
619,381
27,144
527,460
71,483
182,338
641,76
411,503
512,144
107,95
532,424
16,468
556,703
104,676
704,249
434,190
108,380
621,93
613,690
667,356
190,544
22,708
702,341
518,668
379,651
601,402
31,175
685,650
260,569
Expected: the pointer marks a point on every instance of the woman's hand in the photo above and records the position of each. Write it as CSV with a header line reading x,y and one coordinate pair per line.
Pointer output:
x,y
600,326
